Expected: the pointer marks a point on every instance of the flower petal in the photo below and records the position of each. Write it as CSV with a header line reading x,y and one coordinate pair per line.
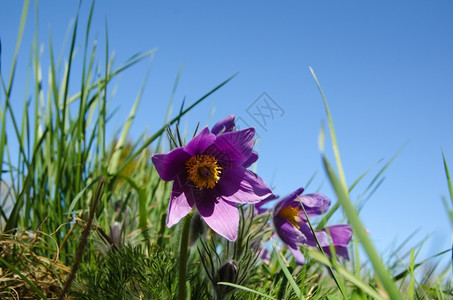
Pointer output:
x,y
200,142
340,234
311,240
169,165
288,233
233,147
288,200
265,255
181,203
315,204
298,256
342,251
242,186
222,216
259,206
339,251
253,158
225,125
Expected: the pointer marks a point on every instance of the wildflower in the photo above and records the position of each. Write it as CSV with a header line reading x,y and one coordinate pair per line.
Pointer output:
x,y
293,229
210,173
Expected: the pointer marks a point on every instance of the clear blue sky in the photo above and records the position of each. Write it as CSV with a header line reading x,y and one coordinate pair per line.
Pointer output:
x,y
386,68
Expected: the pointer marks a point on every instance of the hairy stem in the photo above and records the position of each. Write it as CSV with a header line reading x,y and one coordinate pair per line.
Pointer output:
x,y
183,251
83,239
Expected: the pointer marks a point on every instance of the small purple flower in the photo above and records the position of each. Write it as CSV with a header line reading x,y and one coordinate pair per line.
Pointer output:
x,y
210,173
292,227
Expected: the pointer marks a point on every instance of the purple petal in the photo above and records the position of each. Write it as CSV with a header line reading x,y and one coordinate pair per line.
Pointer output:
x,y
314,204
259,206
289,234
339,251
181,202
233,147
311,240
298,256
169,165
242,186
342,251
200,142
288,200
259,186
222,216
265,255
340,234
253,157
225,125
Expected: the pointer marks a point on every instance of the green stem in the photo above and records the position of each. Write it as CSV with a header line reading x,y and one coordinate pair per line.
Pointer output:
x,y
183,251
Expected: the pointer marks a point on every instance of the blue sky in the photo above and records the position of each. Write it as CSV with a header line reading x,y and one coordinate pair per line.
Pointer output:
x,y
386,68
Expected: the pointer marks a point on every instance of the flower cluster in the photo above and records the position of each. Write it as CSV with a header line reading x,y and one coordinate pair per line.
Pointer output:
x,y
293,229
210,173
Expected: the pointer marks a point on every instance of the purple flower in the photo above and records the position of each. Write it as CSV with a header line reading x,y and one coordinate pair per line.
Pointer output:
x,y
292,227
210,173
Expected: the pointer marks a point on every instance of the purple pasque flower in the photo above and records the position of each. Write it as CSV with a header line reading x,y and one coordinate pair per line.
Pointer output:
x,y
293,229
210,173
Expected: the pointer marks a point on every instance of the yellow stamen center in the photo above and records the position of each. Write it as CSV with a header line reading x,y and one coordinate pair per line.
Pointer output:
x,y
291,213
203,171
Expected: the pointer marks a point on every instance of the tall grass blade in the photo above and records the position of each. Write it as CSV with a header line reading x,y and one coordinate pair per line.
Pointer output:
x,y
450,191
447,174
341,190
288,275
114,162
335,148
381,271
338,281
346,274
381,171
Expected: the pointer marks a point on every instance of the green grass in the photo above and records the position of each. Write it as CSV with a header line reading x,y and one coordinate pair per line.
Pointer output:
x,y
88,211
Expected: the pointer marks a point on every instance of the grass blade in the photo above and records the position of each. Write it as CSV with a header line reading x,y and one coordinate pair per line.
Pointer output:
x,y
360,232
288,275
341,190
336,151
12,268
246,289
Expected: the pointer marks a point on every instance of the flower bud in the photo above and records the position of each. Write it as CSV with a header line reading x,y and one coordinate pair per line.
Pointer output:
x,y
228,272
196,228
115,233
